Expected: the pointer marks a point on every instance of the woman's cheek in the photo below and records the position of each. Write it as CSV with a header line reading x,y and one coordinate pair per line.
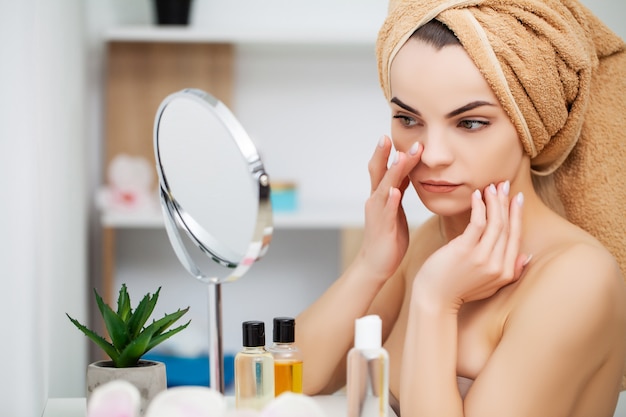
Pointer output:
x,y
402,141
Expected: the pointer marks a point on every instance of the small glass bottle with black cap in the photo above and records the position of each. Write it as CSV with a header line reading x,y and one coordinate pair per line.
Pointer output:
x,y
287,357
254,369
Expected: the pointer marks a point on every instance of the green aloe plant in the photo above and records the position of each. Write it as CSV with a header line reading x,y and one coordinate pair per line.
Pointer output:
x,y
130,340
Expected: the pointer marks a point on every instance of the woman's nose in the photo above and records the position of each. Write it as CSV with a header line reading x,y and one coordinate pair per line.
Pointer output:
x,y
437,150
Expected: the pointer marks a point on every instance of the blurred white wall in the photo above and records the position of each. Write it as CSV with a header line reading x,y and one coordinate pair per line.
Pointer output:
x,y
43,235
355,16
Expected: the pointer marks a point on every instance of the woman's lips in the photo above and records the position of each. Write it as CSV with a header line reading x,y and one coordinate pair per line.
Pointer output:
x,y
439,187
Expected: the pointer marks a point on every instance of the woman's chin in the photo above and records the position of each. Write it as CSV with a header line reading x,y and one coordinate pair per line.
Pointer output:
x,y
446,207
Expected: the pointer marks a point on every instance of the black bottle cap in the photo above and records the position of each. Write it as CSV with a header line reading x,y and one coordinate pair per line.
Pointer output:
x,y
253,333
284,330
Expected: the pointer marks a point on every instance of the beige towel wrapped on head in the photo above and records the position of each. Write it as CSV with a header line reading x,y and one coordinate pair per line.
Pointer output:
x,y
560,74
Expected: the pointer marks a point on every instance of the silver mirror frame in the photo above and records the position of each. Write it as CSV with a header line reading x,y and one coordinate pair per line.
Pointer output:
x,y
176,219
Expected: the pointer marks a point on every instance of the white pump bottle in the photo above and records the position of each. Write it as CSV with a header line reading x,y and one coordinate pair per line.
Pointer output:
x,y
368,370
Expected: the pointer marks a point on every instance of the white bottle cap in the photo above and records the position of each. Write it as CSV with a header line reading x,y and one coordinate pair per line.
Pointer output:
x,y
368,332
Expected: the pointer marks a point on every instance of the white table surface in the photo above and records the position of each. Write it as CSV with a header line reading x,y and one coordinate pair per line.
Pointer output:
x,y
333,405
65,407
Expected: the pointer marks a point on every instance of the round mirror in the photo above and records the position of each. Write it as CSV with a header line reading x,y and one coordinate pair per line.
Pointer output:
x,y
213,185
215,197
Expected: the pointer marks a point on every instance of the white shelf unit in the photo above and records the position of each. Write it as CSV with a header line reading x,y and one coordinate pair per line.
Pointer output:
x,y
239,36
312,216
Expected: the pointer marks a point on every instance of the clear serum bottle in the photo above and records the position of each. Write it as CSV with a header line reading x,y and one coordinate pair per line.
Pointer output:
x,y
287,357
367,387
254,369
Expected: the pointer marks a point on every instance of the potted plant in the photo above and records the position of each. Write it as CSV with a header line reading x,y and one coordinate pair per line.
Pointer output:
x,y
130,339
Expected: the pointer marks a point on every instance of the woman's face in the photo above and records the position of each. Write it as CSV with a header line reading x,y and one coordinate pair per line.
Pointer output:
x,y
440,99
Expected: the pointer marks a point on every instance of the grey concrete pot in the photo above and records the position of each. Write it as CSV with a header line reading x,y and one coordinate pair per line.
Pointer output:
x,y
149,377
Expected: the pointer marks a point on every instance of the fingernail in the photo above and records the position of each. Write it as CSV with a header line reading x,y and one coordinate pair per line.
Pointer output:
x,y
519,198
527,260
396,157
492,189
506,187
414,148
381,141
476,194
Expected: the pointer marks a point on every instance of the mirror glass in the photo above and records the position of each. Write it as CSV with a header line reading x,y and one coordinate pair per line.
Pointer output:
x,y
213,185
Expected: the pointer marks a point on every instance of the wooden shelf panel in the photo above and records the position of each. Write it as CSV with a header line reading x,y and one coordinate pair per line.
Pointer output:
x,y
140,75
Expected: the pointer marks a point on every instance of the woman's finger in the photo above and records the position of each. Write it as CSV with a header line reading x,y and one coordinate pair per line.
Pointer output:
x,y
393,203
402,164
512,255
404,185
478,220
494,226
502,239
377,166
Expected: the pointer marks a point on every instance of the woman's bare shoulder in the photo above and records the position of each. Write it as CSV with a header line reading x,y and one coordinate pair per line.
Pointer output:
x,y
576,274
578,257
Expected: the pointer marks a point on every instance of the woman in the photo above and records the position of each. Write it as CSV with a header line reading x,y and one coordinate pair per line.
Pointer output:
x,y
498,305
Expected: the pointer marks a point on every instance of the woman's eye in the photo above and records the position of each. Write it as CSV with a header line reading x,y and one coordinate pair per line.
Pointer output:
x,y
472,124
405,120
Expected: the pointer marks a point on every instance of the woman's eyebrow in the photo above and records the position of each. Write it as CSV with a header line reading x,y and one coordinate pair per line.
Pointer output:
x,y
453,113
406,107
468,107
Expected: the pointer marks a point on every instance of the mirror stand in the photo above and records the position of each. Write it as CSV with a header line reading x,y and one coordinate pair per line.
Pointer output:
x,y
216,352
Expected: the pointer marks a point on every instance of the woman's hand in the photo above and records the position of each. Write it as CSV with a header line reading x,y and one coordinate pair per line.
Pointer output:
x,y
480,261
386,235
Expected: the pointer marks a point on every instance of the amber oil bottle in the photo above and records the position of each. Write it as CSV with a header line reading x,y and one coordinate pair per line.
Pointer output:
x,y
287,357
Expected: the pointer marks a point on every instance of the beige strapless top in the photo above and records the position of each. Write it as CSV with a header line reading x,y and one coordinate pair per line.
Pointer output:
x,y
463,383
